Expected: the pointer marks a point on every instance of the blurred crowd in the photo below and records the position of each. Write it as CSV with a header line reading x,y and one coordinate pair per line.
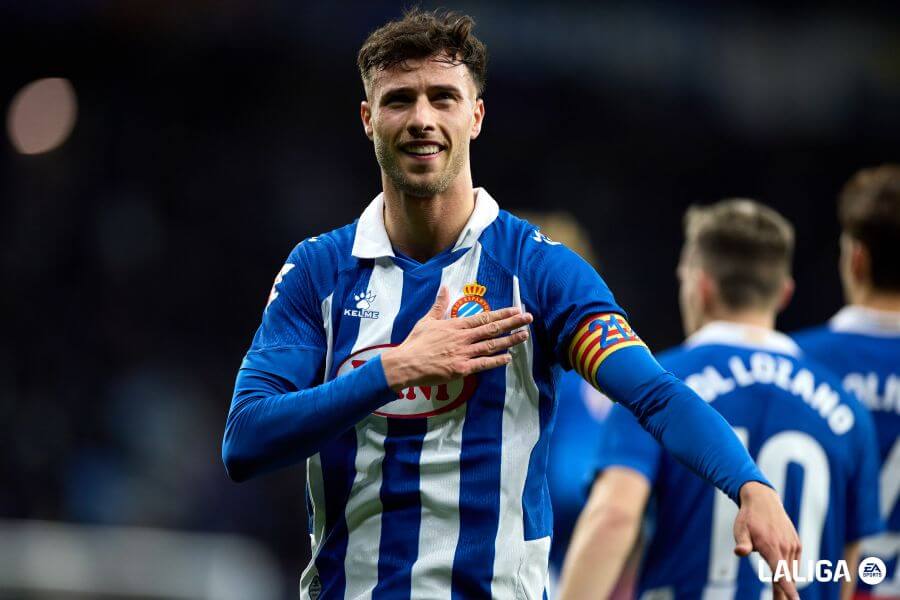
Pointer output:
x,y
211,137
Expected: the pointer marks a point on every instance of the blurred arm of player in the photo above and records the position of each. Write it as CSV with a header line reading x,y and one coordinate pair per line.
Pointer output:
x,y
604,534
863,499
279,416
851,555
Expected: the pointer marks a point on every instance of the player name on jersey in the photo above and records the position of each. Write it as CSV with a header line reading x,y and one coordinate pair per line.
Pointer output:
x,y
866,386
769,369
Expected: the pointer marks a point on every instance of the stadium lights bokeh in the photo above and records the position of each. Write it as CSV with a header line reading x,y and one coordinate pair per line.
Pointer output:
x,y
42,115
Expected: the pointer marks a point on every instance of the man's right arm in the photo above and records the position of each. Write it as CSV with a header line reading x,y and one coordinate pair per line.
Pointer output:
x,y
269,427
278,417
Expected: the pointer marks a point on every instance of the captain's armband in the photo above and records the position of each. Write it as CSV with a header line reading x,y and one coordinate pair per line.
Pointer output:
x,y
596,339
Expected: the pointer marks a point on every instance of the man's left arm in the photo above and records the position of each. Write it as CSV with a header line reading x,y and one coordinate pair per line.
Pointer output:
x,y
592,336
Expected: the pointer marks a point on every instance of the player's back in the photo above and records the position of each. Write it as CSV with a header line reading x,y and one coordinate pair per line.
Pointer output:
x,y
808,437
862,347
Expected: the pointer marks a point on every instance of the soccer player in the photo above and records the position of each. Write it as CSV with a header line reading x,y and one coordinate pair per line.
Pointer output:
x,y
397,358
812,440
861,343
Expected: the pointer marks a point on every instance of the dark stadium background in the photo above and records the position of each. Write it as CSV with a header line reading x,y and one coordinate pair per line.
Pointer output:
x,y
212,136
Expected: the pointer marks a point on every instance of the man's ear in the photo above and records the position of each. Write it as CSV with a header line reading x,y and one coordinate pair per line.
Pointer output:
x,y
479,118
787,292
365,113
860,262
707,290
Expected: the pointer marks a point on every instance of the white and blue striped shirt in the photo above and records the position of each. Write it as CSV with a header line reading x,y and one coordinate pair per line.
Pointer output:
x,y
442,491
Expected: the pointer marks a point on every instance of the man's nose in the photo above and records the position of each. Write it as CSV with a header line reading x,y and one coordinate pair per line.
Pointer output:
x,y
422,117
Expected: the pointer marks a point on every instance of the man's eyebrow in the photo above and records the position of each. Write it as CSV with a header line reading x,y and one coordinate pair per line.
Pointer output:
x,y
399,91
395,91
445,87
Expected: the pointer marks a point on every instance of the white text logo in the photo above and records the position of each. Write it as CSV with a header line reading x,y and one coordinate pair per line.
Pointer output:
x,y
872,570
363,302
540,237
278,279
804,572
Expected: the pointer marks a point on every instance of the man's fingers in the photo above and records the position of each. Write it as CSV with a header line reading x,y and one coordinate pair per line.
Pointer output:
x,y
772,556
483,363
743,545
787,588
494,345
499,327
490,316
441,301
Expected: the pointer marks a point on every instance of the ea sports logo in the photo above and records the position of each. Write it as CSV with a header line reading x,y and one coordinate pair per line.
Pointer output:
x,y
872,570
419,401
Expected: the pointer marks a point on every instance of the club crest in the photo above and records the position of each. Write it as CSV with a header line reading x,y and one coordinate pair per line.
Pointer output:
x,y
472,302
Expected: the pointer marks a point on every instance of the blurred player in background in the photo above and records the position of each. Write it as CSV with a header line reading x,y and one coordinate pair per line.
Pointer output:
x,y
581,411
812,440
425,440
861,343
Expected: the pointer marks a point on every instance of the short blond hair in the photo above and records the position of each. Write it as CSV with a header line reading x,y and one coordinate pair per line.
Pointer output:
x,y
745,246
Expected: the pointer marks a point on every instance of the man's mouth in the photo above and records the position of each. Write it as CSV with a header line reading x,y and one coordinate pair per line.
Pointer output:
x,y
422,150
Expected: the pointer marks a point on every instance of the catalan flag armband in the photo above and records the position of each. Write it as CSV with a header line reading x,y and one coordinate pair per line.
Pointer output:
x,y
595,339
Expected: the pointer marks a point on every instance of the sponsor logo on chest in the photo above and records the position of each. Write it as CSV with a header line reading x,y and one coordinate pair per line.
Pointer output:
x,y
424,400
418,401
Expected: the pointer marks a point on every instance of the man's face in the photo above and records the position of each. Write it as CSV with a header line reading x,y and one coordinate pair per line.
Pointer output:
x,y
421,116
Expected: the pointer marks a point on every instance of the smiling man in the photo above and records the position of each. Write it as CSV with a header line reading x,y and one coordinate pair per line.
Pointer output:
x,y
397,358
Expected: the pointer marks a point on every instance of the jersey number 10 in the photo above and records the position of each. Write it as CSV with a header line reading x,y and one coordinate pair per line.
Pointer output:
x,y
774,457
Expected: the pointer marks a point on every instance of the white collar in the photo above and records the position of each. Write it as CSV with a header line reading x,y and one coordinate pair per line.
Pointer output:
x,y
867,321
372,240
746,336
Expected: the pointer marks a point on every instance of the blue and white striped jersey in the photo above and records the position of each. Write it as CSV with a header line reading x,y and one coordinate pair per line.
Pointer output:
x,y
862,346
442,492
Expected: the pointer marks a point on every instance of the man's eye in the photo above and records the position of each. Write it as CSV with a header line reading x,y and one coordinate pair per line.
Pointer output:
x,y
444,96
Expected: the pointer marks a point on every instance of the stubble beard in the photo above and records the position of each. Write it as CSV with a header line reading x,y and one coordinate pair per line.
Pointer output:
x,y
432,186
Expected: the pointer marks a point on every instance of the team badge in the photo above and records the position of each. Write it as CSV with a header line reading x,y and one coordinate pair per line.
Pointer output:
x,y
472,302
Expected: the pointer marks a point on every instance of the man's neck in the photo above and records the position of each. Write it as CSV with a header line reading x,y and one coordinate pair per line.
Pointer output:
x,y
878,301
422,228
762,319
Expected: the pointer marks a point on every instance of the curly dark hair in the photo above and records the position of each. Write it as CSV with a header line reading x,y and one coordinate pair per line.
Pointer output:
x,y
420,34
869,211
